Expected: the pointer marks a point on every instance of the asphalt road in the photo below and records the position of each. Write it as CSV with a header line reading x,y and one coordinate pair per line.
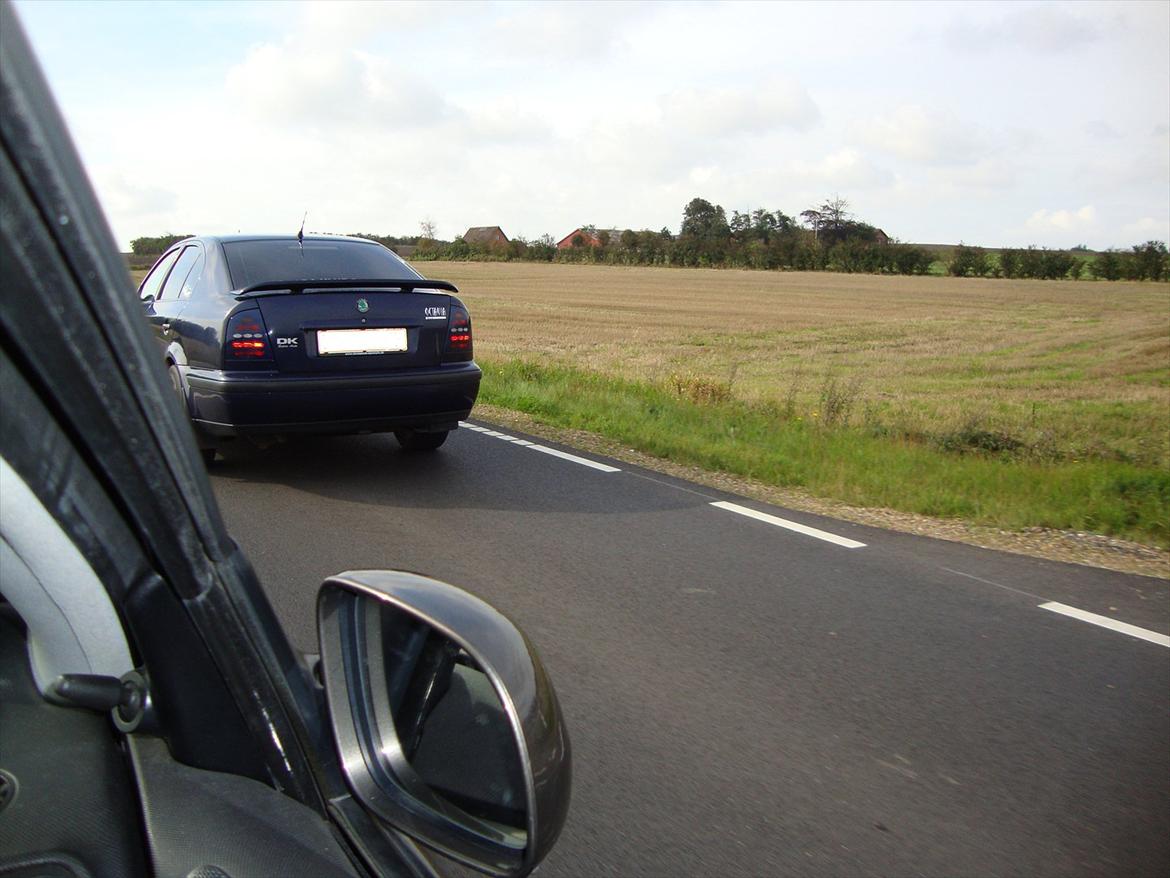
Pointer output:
x,y
745,699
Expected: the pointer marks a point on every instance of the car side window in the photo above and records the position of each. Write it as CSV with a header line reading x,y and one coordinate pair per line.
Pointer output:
x,y
193,276
154,280
179,273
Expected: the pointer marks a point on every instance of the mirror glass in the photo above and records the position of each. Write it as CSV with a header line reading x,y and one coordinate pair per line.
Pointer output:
x,y
441,722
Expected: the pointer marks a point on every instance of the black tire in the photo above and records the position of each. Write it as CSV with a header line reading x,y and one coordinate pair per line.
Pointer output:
x,y
177,386
208,454
414,440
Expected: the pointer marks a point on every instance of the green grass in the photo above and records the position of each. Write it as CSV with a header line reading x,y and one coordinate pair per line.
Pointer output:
x,y
976,475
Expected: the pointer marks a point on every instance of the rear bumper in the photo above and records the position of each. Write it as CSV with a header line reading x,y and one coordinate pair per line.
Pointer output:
x,y
235,403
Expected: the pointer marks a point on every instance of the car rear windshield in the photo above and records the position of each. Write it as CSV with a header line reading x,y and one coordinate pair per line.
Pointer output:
x,y
254,262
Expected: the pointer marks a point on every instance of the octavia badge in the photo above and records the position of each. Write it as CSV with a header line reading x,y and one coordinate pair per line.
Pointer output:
x,y
363,306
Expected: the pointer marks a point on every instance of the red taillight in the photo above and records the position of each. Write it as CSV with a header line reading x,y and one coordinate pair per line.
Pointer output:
x,y
246,337
249,348
459,333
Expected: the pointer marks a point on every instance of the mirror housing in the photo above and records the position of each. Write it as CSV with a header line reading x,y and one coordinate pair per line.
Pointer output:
x,y
446,724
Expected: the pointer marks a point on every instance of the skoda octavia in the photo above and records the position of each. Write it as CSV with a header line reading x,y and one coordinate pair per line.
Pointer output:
x,y
321,334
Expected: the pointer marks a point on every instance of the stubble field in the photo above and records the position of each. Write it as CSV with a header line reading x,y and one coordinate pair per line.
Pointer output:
x,y
1065,369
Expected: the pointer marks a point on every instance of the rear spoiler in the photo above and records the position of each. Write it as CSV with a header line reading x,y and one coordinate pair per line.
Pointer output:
x,y
292,287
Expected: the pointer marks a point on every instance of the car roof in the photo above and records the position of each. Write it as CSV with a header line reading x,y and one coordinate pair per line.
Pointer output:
x,y
229,239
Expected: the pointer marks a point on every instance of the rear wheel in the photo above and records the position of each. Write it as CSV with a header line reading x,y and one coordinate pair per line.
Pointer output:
x,y
413,440
177,386
208,454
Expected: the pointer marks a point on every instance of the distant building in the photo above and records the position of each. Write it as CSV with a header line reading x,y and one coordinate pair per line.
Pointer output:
x,y
881,237
589,237
485,236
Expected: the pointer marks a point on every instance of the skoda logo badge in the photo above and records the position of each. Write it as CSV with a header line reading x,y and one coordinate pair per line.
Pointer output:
x,y
363,306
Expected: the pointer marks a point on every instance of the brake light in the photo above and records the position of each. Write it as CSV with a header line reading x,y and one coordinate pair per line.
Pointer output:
x,y
459,332
247,339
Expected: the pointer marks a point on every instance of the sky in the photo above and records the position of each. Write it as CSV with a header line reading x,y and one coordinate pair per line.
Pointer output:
x,y
996,124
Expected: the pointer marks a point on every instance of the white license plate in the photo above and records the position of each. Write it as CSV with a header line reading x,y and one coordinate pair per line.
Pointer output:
x,y
360,341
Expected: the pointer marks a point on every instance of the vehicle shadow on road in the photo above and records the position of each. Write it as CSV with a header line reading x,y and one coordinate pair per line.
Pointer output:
x,y
469,471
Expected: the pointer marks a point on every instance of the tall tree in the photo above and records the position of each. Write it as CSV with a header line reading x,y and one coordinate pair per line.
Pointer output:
x,y
741,224
835,213
813,219
702,219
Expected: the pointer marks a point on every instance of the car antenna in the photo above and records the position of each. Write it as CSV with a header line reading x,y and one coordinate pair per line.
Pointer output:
x,y
301,233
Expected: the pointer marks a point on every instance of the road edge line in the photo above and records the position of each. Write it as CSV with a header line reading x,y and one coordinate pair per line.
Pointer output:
x,y
1106,622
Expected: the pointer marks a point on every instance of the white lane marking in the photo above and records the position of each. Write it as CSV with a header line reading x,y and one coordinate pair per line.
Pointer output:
x,y
604,467
1106,622
790,525
524,443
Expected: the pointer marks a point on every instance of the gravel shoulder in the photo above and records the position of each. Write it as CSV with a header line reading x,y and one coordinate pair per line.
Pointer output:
x,y
1093,550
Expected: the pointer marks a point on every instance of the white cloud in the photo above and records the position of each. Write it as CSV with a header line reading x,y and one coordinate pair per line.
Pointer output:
x,y
122,197
295,85
727,112
843,169
506,120
1148,228
1048,28
1132,165
642,149
994,175
330,21
1101,130
1045,220
564,31
664,139
915,133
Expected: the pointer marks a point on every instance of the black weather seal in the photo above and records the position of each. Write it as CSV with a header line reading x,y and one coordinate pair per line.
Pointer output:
x,y
349,285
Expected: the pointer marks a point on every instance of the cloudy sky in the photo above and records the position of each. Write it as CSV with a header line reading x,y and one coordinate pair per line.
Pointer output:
x,y
992,123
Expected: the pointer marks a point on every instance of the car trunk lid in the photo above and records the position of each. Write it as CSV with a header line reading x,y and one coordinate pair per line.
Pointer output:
x,y
318,327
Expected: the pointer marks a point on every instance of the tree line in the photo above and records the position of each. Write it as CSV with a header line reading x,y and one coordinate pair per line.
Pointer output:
x,y
826,237
1148,261
154,246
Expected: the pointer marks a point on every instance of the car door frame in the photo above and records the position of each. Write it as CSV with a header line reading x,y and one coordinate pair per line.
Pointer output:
x,y
103,386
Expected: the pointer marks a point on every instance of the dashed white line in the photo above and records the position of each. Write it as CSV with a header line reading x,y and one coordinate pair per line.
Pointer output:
x,y
1106,622
604,467
524,443
790,525
1052,606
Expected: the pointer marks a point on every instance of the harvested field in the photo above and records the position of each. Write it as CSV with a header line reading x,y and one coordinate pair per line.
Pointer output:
x,y
1063,369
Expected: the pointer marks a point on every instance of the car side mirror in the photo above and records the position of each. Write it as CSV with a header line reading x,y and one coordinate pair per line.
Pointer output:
x,y
446,724
147,299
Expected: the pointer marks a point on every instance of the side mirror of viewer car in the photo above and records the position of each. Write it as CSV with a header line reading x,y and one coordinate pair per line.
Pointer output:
x,y
446,725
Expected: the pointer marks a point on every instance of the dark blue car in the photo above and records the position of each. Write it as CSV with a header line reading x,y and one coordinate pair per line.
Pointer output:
x,y
314,334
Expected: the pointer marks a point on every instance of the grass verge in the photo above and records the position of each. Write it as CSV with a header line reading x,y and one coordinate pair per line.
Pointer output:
x,y
989,486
